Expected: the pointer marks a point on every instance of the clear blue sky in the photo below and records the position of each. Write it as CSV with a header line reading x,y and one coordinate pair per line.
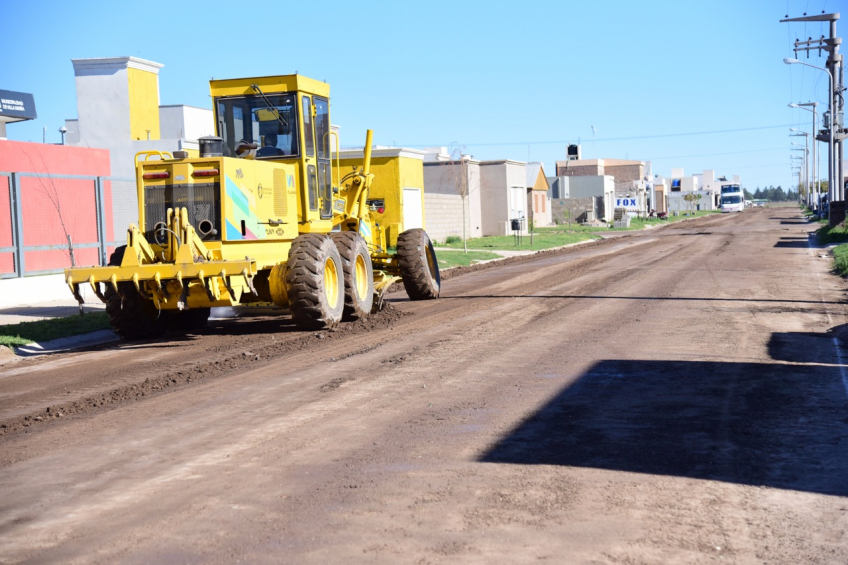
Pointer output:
x,y
514,80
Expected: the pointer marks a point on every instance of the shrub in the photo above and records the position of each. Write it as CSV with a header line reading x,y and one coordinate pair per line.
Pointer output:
x,y
453,239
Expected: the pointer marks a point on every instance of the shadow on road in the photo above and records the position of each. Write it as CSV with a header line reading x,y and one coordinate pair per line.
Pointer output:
x,y
799,242
777,425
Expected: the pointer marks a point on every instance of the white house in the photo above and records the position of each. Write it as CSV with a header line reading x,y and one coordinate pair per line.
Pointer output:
x,y
503,196
452,196
118,109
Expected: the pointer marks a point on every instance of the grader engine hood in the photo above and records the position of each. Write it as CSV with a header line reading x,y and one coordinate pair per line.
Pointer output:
x,y
193,185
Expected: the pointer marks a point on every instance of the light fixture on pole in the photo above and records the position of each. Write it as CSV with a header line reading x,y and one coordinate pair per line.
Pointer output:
x,y
63,130
833,190
594,153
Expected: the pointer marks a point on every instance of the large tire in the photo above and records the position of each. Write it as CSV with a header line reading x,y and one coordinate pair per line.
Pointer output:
x,y
314,282
419,268
132,316
358,274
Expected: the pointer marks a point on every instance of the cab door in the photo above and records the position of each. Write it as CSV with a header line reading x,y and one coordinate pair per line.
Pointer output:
x,y
322,138
310,165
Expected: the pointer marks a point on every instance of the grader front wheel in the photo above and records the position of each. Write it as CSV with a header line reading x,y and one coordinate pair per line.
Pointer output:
x,y
419,269
314,282
358,274
131,315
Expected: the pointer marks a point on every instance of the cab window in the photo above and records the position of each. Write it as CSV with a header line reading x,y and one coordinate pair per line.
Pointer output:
x,y
308,135
322,127
250,124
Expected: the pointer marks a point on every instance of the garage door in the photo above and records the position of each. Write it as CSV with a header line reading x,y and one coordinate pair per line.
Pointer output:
x,y
413,209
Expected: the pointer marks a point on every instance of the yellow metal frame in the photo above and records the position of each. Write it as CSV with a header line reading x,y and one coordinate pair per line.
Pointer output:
x,y
153,268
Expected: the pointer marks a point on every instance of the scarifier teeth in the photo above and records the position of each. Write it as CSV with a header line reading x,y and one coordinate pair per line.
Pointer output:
x,y
95,286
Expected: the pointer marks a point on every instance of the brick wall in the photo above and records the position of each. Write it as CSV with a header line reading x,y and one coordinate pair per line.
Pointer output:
x,y
444,215
624,172
580,171
577,207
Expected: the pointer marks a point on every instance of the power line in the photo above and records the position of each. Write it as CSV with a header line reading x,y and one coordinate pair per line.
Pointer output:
x,y
635,137
713,154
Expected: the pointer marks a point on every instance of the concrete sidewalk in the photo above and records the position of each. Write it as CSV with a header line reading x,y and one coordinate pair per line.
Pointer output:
x,y
34,298
45,310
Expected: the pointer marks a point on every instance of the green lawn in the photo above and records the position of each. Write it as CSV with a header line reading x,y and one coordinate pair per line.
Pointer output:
x,y
827,234
540,241
557,236
840,259
461,259
635,224
54,328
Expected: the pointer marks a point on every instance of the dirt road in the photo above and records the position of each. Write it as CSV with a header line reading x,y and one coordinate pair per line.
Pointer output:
x,y
671,396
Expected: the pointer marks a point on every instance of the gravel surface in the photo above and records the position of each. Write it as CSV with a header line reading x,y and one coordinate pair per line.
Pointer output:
x,y
677,395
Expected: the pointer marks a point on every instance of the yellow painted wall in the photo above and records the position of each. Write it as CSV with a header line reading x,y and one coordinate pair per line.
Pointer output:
x,y
144,103
391,176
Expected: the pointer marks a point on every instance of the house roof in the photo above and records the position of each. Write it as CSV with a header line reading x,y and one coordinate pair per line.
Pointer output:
x,y
598,162
503,162
381,151
536,177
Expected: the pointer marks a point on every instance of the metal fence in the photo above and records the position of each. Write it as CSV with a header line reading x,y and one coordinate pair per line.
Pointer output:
x,y
50,222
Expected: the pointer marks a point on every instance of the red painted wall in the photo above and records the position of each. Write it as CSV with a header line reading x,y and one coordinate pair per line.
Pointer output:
x,y
23,157
53,207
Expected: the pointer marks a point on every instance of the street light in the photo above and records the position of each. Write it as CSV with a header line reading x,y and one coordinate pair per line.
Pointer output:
x,y
63,130
815,165
831,188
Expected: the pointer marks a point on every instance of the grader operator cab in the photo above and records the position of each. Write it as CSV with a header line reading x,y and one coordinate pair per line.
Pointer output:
x,y
261,217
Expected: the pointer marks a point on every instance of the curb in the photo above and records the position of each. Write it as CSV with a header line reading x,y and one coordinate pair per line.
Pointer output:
x,y
66,343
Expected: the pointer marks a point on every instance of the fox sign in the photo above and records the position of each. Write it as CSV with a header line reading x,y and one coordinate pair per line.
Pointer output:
x,y
629,204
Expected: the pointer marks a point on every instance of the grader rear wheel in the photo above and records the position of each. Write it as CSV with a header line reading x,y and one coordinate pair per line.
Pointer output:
x,y
419,269
314,281
358,274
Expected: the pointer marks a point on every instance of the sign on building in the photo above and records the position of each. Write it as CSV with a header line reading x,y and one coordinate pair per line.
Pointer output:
x,y
629,204
16,105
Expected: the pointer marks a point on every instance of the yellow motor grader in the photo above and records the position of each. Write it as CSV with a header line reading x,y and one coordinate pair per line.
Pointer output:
x,y
261,217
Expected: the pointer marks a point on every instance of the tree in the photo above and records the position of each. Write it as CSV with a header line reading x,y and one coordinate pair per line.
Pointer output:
x,y
460,175
747,193
691,199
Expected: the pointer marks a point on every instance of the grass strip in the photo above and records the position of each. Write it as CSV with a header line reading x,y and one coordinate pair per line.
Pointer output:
x,y
53,328
635,223
508,242
461,259
840,259
835,234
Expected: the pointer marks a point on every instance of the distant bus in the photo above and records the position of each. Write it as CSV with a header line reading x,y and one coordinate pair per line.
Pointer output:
x,y
732,199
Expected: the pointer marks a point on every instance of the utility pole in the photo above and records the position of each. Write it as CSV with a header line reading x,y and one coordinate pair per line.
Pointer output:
x,y
814,170
834,131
